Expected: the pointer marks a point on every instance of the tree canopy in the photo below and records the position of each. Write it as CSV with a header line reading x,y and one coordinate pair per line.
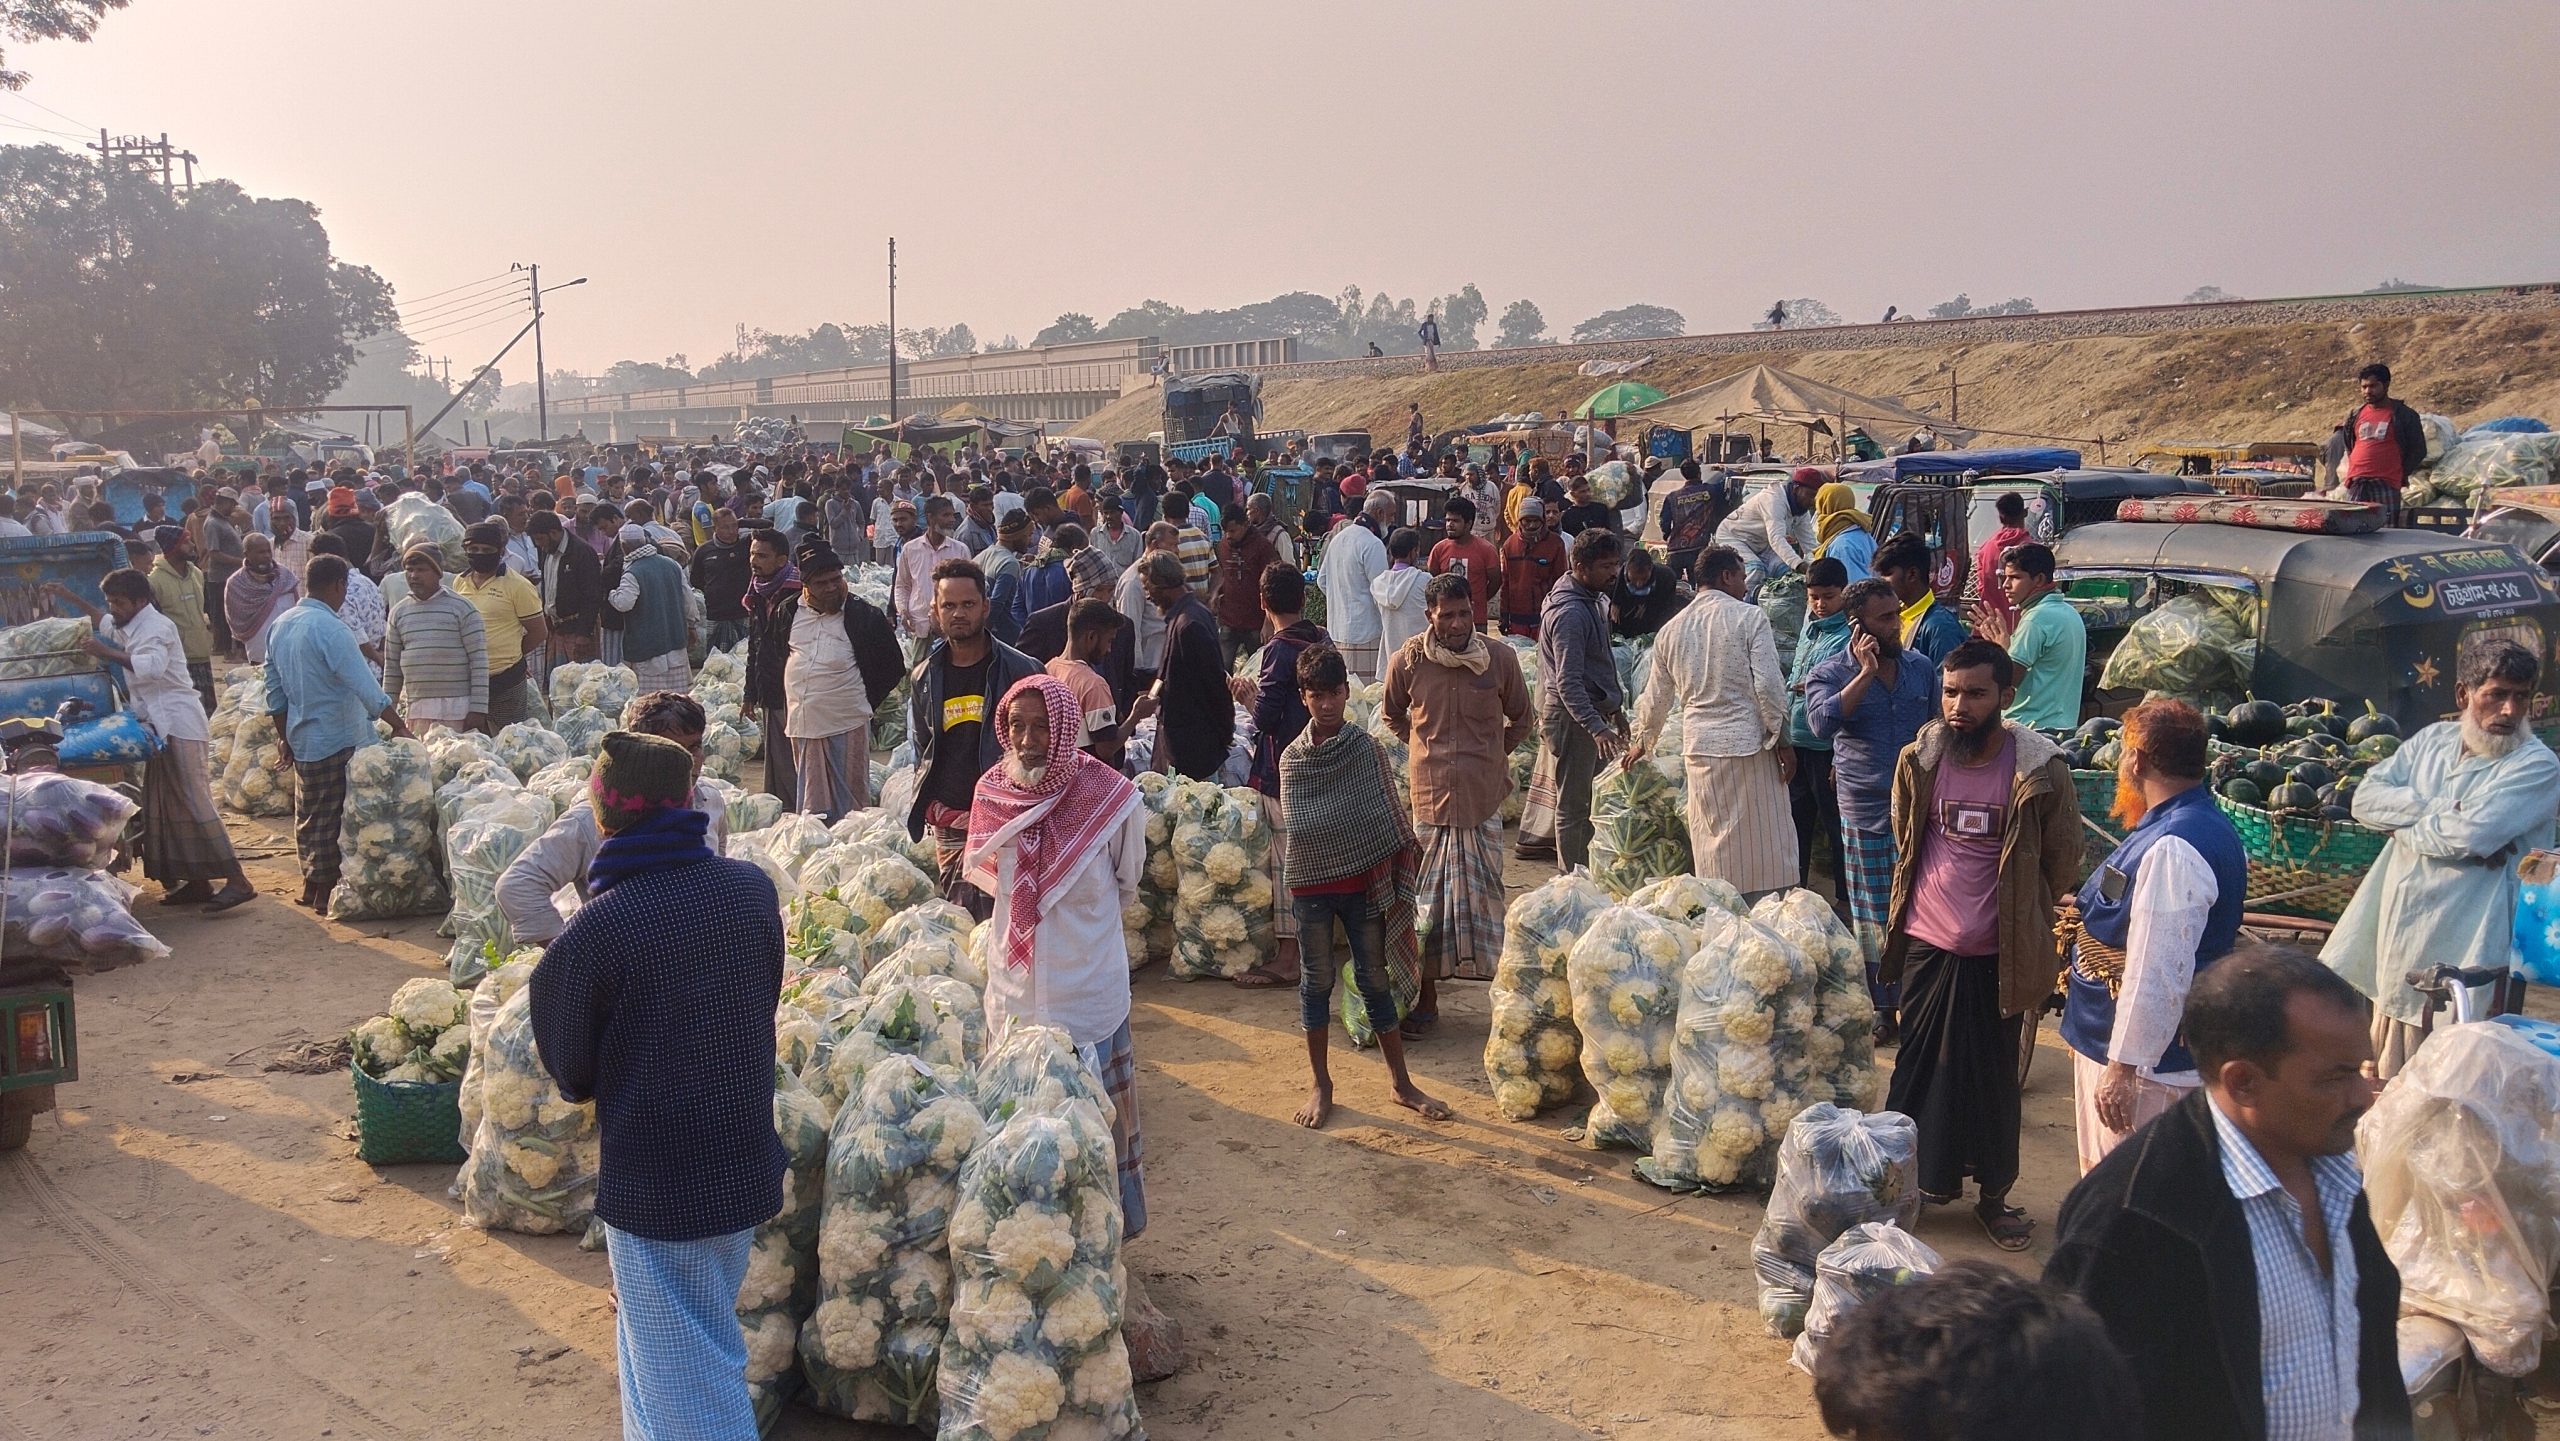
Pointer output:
x,y
1522,324
1630,322
116,294
24,20
1962,307
1804,314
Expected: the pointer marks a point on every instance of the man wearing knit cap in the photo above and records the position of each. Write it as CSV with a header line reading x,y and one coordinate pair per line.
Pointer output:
x,y
559,857
656,1002
657,611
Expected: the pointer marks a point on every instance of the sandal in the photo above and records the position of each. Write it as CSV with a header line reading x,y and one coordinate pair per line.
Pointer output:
x,y
2007,1226
188,894
231,898
1419,1024
1258,979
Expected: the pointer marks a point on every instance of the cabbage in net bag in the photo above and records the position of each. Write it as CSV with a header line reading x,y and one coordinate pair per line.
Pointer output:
x,y
873,1348
1840,1047
1868,1260
1836,1168
1222,899
388,839
1532,1051
1738,1068
1639,824
1034,1347
1624,972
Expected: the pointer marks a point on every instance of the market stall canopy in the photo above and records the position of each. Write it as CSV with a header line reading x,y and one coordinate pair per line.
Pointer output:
x,y
28,428
2001,460
1610,401
1766,393
912,431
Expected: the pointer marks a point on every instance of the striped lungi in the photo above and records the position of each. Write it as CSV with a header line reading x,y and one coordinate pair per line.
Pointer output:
x,y
608,646
1741,830
1538,812
1115,1063
1458,915
834,772
182,835
682,1358
319,808
1867,863
1284,917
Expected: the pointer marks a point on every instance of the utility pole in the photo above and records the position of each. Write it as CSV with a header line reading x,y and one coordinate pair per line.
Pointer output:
x,y
135,152
534,291
893,331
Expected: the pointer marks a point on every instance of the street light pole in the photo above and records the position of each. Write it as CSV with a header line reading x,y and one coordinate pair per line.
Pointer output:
x,y
893,332
534,291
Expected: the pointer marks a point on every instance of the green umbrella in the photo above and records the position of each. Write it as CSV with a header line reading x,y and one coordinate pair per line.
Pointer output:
x,y
1616,400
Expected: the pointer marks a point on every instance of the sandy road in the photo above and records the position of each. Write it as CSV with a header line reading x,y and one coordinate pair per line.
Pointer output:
x,y
189,1247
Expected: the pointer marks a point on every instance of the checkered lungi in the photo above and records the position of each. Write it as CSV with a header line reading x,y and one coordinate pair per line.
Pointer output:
x,y
319,808
1538,811
1458,914
834,773
1115,1063
182,835
664,673
1867,875
1284,917
2377,492
682,1358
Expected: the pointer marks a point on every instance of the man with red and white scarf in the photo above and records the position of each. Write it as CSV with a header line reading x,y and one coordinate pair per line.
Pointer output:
x,y
1058,839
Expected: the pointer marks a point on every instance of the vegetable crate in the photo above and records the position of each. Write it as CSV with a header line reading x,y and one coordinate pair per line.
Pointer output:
x,y
2300,866
404,1121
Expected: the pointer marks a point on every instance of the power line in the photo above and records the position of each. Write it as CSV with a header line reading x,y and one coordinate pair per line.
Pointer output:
x,y
466,285
422,329
84,125
449,332
42,129
453,309
460,295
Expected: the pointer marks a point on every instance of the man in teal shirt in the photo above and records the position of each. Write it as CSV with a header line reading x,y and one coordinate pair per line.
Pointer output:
x,y
1810,795
323,698
2048,642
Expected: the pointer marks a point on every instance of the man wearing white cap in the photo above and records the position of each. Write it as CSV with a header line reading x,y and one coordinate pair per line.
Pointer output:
x,y
657,607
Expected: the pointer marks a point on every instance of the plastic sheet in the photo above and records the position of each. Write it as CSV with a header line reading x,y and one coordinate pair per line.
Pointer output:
x,y
2461,1158
1836,1169
1868,1260
1532,1049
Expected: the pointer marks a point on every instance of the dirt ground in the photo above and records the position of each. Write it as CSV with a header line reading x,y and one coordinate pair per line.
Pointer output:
x,y
193,1250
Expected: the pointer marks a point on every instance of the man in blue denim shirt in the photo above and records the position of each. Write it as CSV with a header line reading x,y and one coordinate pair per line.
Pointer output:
x,y
1870,701
1811,796
323,698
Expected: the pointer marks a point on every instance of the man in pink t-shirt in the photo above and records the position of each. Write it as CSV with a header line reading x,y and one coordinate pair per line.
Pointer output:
x,y
1986,825
2012,508
1466,553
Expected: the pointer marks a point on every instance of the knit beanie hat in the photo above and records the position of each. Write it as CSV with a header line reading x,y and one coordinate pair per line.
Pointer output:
x,y
636,777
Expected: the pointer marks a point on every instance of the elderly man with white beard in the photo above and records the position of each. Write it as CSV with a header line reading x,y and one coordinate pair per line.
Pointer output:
x,y
2462,800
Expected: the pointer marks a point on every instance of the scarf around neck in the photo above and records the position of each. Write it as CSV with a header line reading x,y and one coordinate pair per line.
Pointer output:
x,y
659,841
762,590
1341,807
1474,658
1050,824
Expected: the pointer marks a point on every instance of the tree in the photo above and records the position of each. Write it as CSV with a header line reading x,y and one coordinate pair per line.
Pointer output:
x,y
1955,309
1962,308
1801,315
2208,295
1067,329
2014,305
641,375
1630,322
1460,314
25,20
1008,343
1522,325
956,341
116,294
2396,284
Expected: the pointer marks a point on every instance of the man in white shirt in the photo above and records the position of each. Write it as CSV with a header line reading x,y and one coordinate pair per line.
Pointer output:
x,y
559,857
1130,595
10,529
1716,664
911,588
829,696
1354,555
1773,531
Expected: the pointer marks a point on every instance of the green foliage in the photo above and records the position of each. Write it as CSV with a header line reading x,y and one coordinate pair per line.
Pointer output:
x,y
1067,329
1522,324
1803,314
22,20
1630,322
115,294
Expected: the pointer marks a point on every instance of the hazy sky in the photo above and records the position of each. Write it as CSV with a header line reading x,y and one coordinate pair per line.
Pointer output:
x,y
711,164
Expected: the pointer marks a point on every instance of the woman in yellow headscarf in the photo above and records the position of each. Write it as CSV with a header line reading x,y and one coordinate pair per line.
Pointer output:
x,y
1842,531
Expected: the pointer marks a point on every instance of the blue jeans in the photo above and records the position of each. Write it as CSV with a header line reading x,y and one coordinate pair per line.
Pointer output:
x,y
1368,933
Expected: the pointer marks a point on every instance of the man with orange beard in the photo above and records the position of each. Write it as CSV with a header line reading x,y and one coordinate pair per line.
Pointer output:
x,y
2164,906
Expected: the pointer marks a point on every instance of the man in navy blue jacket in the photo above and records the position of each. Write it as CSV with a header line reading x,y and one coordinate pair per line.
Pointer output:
x,y
657,1003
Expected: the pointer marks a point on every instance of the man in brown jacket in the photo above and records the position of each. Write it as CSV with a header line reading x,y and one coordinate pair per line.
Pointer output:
x,y
1987,829
1460,703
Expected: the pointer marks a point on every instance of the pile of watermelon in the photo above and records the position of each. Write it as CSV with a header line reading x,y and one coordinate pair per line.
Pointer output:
x,y
2304,759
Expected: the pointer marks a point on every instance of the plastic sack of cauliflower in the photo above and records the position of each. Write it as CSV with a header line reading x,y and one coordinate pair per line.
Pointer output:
x,y
724,750
1737,1070
1687,899
564,784
425,1035
582,727
1034,1347
2459,1155
255,779
1222,901
782,848
1639,825
872,1350
1836,1169
1146,923
388,838
78,919
815,933
534,1157
1868,1260
477,786
932,1018
782,1257
59,820
889,720
885,826
753,811
729,666
416,520
528,746
450,750
506,973
477,851
1399,760
1624,973
1840,1048
1532,1050
589,683
45,647
947,954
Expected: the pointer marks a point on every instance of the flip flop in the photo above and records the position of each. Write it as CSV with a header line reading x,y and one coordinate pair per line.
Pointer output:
x,y
229,900
2007,1226
1258,979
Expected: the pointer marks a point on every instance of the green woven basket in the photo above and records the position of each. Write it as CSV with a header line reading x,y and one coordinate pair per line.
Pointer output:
x,y
2097,794
404,1122
2300,866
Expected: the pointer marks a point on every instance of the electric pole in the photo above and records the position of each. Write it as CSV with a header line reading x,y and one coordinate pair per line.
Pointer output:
x,y
136,152
893,331
534,291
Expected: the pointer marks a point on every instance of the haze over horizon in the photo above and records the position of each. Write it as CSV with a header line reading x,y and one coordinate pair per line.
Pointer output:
x,y
1034,160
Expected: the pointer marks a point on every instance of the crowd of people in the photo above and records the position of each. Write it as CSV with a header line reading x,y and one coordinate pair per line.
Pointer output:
x,y
1044,618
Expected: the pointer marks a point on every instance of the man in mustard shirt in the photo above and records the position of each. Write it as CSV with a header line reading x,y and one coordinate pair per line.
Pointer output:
x,y
510,612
